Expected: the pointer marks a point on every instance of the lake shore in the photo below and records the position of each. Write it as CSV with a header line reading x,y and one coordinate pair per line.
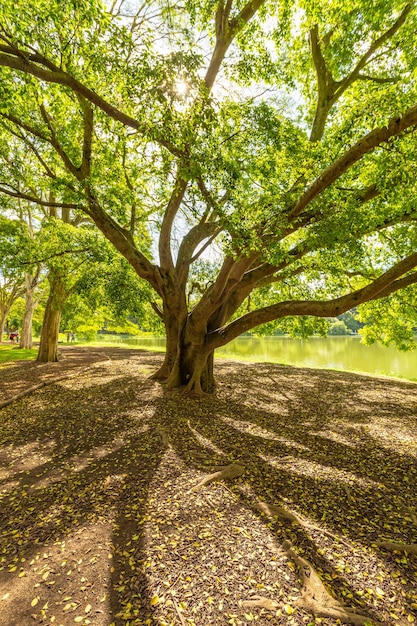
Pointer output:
x,y
341,353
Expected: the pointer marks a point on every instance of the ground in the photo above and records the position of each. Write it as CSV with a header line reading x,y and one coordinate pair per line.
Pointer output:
x,y
115,509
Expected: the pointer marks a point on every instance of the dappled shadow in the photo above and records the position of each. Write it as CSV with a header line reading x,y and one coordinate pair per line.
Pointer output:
x,y
114,456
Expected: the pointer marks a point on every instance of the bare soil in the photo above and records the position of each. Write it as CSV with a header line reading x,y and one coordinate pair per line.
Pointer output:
x,y
271,501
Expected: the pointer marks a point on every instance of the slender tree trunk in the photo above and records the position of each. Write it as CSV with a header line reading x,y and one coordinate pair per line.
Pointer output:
x,y
4,311
48,348
31,283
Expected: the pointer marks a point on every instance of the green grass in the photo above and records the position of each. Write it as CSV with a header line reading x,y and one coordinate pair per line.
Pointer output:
x,y
14,353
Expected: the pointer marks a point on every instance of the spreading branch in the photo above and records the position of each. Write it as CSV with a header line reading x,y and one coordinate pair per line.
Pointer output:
x,y
395,127
389,282
24,196
39,66
329,91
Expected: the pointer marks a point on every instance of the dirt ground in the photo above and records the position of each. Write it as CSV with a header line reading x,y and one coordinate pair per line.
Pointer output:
x,y
114,509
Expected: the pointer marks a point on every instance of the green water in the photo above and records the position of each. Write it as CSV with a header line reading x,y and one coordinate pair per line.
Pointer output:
x,y
341,353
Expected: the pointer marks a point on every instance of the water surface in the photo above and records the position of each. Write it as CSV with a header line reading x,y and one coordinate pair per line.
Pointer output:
x,y
340,353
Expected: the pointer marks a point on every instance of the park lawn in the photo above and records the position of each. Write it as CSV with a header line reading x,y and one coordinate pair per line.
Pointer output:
x,y
14,353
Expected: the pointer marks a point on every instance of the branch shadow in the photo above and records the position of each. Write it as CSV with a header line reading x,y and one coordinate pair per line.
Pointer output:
x,y
111,459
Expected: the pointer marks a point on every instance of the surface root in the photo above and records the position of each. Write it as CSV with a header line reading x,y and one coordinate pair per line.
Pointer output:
x,y
261,603
409,548
314,596
234,470
279,511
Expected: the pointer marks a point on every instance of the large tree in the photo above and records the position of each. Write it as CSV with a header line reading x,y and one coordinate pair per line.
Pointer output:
x,y
271,142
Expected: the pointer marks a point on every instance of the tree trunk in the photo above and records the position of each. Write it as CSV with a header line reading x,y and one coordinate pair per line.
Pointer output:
x,y
48,348
193,367
31,283
171,349
196,371
4,311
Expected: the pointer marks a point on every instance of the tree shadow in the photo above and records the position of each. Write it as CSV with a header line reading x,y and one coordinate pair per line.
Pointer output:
x,y
115,457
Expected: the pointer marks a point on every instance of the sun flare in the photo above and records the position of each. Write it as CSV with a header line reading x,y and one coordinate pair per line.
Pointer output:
x,y
181,87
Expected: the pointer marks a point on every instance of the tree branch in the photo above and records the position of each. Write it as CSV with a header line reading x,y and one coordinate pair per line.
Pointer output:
x,y
369,142
384,285
88,115
53,140
226,31
40,67
24,196
165,248
329,90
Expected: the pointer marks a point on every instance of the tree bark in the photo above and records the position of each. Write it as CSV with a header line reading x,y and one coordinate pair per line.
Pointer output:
x,y
4,311
31,282
193,367
48,348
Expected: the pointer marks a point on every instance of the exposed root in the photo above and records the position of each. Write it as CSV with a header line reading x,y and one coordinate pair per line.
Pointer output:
x,y
193,387
50,381
194,393
409,548
277,511
178,613
44,383
24,393
261,603
314,596
162,433
282,513
162,374
225,473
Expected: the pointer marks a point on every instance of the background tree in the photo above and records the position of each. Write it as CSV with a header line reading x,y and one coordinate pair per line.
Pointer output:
x,y
276,137
108,296
12,241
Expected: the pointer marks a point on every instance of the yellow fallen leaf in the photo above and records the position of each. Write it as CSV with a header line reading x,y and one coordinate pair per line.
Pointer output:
x,y
410,618
6,595
79,618
154,600
35,601
87,608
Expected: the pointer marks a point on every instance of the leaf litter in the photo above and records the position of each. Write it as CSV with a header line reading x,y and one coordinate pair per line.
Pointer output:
x,y
110,514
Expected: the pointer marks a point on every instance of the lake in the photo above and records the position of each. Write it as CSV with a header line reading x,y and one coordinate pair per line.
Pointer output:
x,y
340,353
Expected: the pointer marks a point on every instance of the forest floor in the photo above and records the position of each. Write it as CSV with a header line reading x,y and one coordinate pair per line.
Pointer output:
x,y
114,508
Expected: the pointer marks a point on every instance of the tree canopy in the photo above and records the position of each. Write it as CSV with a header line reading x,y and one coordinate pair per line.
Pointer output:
x,y
267,148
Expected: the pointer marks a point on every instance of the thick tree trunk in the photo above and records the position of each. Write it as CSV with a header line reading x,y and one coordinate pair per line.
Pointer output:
x,y
31,283
171,349
193,368
197,373
48,348
175,319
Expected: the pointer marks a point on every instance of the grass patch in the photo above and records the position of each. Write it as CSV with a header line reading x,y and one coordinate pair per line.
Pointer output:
x,y
14,353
